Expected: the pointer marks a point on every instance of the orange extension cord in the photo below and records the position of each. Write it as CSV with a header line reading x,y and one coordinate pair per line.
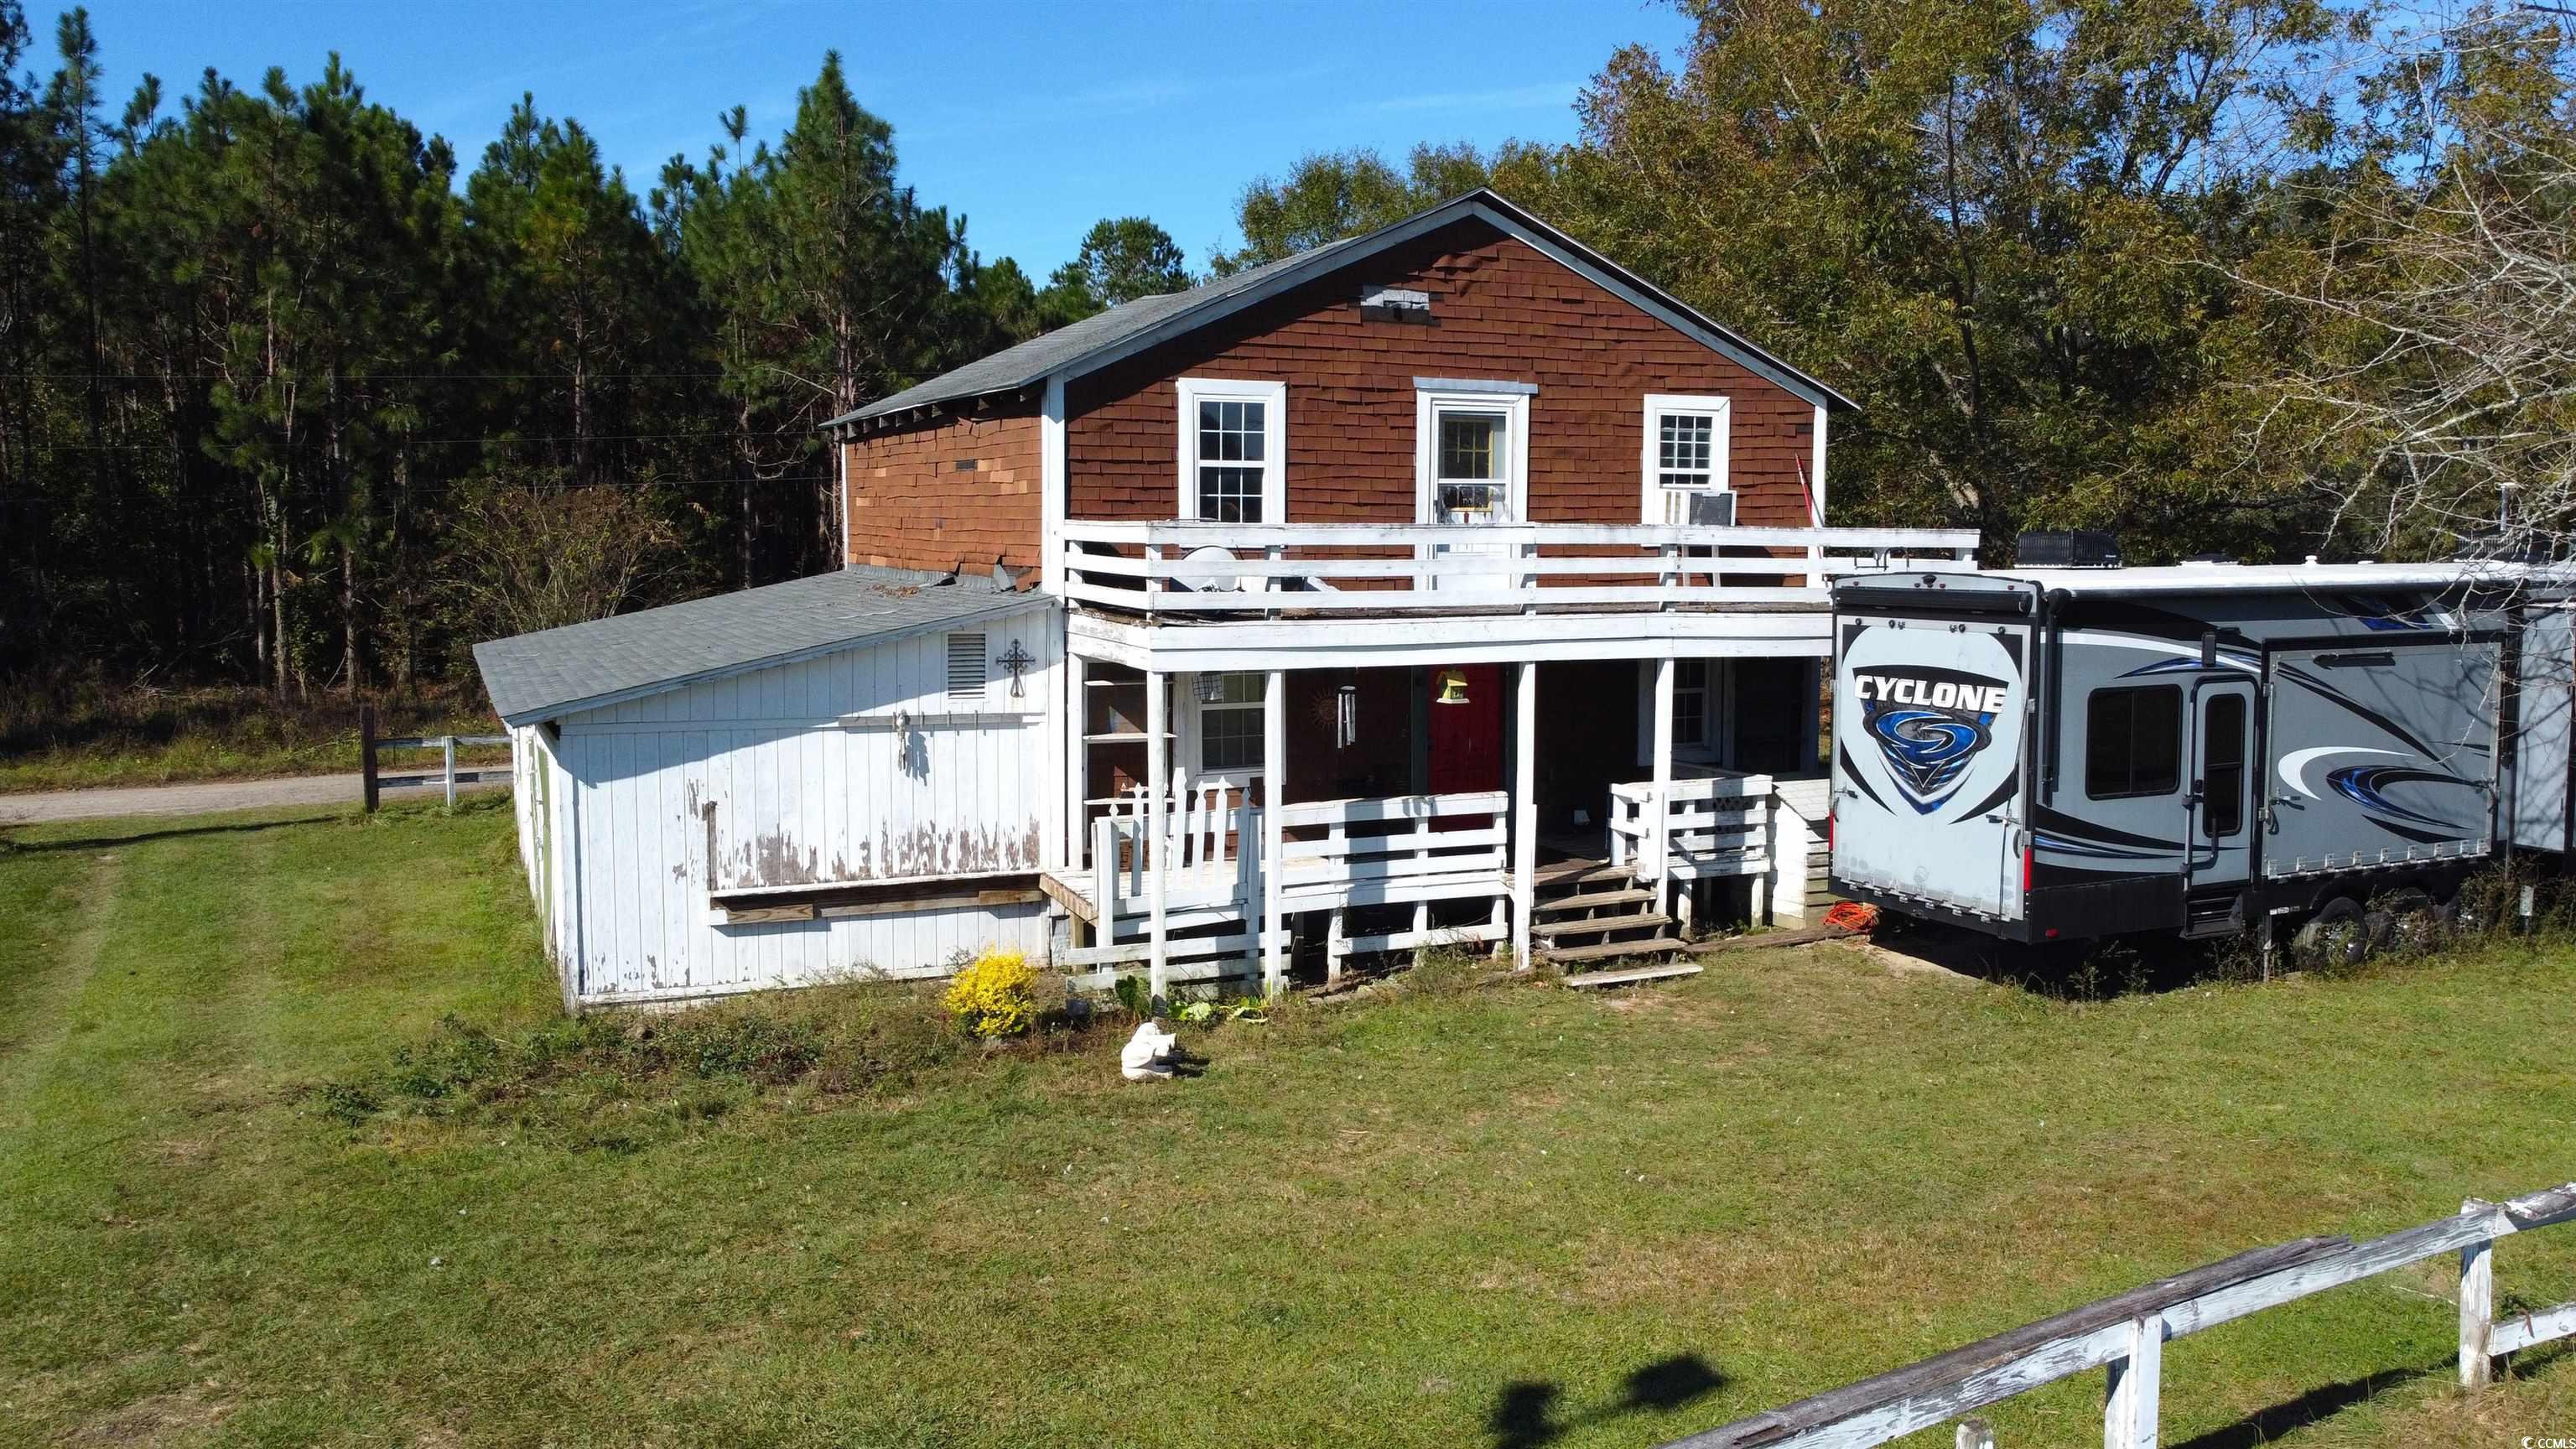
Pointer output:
x,y
1852,916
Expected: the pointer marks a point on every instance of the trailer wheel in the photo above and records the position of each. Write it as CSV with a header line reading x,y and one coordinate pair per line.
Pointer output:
x,y
2416,924
2335,938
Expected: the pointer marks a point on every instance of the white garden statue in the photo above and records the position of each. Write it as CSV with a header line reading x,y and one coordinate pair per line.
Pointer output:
x,y
1147,1057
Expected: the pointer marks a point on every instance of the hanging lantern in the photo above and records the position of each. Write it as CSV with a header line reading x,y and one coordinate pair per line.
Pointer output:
x,y
1211,689
1451,687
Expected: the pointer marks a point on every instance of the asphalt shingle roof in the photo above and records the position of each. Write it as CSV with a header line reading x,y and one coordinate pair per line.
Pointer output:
x,y
555,672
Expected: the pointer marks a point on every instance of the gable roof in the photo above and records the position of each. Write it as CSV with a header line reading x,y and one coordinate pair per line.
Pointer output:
x,y
555,672
1131,327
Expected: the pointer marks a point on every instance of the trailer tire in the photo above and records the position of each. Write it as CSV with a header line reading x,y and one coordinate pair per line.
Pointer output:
x,y
2337,937
2416,924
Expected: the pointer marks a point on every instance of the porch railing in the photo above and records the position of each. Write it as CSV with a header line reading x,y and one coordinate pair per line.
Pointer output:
x,y
1334,855
1719,826
1269,569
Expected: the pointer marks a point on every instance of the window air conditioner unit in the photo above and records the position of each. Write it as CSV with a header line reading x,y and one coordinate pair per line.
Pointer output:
x,y
1708,509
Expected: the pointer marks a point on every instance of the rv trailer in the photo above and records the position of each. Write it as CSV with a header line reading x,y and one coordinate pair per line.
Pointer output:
x,y
2057,754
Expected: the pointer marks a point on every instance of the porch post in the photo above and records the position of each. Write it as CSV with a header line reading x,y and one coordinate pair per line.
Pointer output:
x,y
1274,794
1071,725
1158,765
1660,821
1524,809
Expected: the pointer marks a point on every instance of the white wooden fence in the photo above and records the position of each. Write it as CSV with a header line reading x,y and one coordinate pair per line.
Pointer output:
x,y
1717,826
373,780
1335,855
2126,1335
1233,568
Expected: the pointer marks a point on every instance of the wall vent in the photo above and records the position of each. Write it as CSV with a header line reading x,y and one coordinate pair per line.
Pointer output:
x,y
966,666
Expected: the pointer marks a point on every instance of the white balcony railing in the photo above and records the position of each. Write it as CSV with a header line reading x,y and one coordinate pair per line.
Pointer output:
x,y
1271,569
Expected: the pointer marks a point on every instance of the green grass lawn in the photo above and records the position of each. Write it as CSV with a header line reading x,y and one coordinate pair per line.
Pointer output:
x,y
1511,1217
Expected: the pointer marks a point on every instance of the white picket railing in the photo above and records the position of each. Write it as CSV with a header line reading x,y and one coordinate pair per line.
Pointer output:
x,y
1401,850
1264,569
1715,826
1335,855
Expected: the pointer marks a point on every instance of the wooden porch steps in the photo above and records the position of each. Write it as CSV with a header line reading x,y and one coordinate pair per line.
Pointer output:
x,y
1566,873
1589,911
1553,931
1593,901
1634,974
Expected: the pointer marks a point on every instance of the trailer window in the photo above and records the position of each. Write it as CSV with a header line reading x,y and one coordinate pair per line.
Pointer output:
x,y
2222,752
2133,742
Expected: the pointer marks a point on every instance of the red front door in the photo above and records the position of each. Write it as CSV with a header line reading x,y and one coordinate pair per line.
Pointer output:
x,y
1467,739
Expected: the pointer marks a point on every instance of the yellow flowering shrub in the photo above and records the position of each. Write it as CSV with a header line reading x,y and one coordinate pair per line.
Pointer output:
x,y
996,994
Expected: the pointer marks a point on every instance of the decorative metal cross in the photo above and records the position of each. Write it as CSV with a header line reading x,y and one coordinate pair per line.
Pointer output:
x,y
1016,660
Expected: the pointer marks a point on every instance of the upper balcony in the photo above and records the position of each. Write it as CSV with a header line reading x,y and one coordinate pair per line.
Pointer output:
x,y
1212,572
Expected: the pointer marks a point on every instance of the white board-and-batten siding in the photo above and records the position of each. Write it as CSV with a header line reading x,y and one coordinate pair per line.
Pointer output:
x,y
791,777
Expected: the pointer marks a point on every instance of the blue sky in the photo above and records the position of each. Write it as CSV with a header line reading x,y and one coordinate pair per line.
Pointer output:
x,y
1033,118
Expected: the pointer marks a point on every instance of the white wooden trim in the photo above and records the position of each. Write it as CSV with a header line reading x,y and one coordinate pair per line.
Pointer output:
x,y
841,521
1524,809
1935,545
1054,485
1274,445
1659,858
1514,406
1158,771
1074,752
1816,478
1254,644
1274,762
1650,458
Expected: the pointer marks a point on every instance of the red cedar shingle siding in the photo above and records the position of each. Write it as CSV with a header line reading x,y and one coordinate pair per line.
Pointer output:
x,y
1500,310
912,506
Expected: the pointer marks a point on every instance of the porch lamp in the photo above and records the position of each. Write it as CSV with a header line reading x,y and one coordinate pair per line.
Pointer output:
x,y
1452,686
1211,689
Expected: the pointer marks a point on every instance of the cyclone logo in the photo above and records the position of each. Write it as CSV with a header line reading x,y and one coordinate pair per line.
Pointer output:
x,y
1930,725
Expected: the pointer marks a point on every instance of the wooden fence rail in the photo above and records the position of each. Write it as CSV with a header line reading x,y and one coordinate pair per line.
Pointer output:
x,y
375,781
2125,1335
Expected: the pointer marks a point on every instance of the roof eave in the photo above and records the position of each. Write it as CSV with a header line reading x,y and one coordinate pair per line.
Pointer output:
x,y
540,714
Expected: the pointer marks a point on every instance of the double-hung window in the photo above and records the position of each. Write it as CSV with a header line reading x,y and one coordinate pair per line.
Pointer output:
x,y
1684,454
1226,723
1234,445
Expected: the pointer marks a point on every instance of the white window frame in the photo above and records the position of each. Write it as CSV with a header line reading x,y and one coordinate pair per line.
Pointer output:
x,y
1274,463
1649,448
1512,400
1193,767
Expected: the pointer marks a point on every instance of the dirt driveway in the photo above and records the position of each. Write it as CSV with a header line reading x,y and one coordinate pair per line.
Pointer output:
x,y
202,798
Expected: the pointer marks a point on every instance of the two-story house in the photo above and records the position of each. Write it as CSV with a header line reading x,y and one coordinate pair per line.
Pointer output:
x,y
1443,584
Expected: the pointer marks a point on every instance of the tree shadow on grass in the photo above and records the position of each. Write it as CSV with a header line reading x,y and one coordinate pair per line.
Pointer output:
x,y
1528,1414
141,837
2265,1425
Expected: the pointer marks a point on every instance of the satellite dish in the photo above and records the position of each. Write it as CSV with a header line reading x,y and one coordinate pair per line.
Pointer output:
x,y
1208,569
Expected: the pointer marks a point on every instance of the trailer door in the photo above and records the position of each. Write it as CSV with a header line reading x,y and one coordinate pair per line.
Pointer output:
x,y
1928,728
2218,850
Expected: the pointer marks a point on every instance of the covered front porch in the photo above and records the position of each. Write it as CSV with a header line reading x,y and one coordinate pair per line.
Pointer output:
x,y
1581,809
